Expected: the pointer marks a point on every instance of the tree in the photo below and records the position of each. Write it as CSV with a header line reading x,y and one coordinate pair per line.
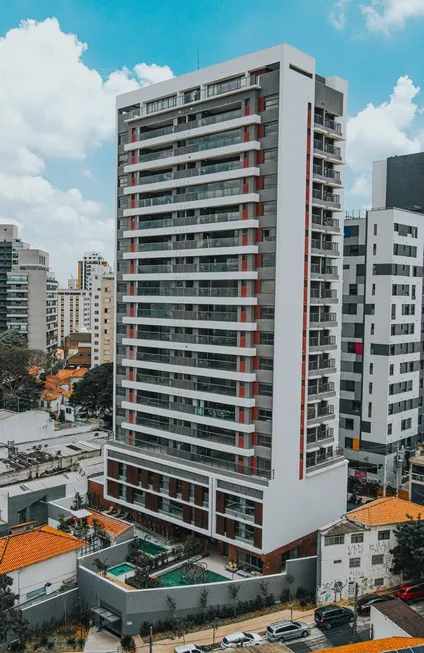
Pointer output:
x,y
171,604
93,395
12,620
234,592
63,523
78,503
408,554
101,566
13,339
26,397
203,600
127,643
15,381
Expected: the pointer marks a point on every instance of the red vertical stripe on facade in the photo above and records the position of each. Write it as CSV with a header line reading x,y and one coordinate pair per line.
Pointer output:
x,y
244,214
261,104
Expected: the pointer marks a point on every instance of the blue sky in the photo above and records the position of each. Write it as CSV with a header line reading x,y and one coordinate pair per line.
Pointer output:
x,y
57,176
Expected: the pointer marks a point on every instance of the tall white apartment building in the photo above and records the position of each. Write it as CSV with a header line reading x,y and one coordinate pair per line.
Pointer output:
x,y
32,299
381,390
102,308
229,202
73,311
91,263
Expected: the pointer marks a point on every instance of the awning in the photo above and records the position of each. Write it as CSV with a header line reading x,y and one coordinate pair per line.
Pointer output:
x,y
106,615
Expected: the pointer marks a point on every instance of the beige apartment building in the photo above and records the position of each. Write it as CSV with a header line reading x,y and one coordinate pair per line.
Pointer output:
x,y
102,318
73,311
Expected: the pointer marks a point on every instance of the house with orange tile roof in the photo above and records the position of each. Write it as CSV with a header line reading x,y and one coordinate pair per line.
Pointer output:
x,y
58,389
39,561
355,550
386,645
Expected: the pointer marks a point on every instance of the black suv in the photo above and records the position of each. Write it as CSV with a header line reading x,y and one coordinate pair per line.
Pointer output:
x,y
332,615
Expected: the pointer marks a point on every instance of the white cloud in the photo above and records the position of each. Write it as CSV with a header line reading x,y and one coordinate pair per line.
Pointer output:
x,y
378,132
337,15
54,106
87,173
386,15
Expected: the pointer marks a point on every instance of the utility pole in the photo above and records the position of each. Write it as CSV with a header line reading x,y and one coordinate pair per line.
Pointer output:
x,y
355,616
150,639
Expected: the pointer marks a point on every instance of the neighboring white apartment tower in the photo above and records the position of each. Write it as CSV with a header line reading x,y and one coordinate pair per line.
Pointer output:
x,y
102,306
32,300
381,341
91,261
230,198
73,311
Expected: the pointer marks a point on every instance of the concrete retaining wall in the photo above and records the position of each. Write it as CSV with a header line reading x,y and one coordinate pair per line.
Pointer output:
x,y
138,606
58,606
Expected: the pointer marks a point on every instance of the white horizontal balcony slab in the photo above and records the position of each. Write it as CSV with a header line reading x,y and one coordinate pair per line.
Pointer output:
x,y
193,324
189,346
192,371
205,130
194,228
237,173
214,152
190,394
196,419
199,442
193,253
225,200
192,299
191,276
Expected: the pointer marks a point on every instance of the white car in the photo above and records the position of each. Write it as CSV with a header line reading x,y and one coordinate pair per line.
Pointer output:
x,y
191,648
235,640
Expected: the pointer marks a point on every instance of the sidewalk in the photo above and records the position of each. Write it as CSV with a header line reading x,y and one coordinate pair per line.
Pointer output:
x,y
205,637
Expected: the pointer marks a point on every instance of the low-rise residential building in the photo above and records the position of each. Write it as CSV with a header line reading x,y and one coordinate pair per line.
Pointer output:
x,y
39,561
356,549
57,392
395,619
386,645
78,349
416,475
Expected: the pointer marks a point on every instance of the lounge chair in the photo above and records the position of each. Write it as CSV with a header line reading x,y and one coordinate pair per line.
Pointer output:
x,y
118,512
109,511
124,516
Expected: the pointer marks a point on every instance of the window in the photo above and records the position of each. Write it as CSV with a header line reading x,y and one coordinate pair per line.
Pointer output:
x,y
265,389
267,338
268,234
372,328
268,260
267,313
354,563
270,181
264,440
389,429
391,370
353,289
370,388
377,559
266,364
348,424
406,424
357,538
371,368
378,582
265,415
373,289
34,593
330,540
369,409
374,249
270,127
270,154
271,102
375,230
393,311
384,535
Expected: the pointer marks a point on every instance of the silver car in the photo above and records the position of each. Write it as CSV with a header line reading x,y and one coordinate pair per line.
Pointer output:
x,y
281,631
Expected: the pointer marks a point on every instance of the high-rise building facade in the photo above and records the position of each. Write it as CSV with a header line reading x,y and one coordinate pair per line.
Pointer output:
x,y
102,296
9,245
32,300
73,311
230,197
381,383
91,263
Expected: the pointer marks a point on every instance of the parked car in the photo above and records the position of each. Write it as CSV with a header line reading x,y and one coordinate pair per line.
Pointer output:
x,y
332,615
364,604
235,640
411,592
280,631
192,648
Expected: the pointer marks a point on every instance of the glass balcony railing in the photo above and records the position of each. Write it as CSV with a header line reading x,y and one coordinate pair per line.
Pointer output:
x,y
322,318
190,149
219,316
170,245
191,220
208,363
326,364
322,342
188,292
227,341
231,266
327,270
198,386
325,222
203,411
321,388
191,172
320,411
323,294
188,197
203,122
325,245
318,434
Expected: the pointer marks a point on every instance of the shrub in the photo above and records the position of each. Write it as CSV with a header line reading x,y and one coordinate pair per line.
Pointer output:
x,y
50,645
285,595
71,641
269,600
301,593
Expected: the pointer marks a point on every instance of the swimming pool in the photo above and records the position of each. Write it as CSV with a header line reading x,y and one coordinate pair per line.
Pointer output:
x,y
120,569
150,548
174,578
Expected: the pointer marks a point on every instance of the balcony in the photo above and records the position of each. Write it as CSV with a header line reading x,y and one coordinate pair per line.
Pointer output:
x,y
316,460
320,414
328,125
209,144
171,246
327,175
187,197
224,341
204,460
323,223
197,386
211,218
327,200
192,172
322,320
204,411
203,122
318,434
231,266
324,272
181,361
321,391
327,365
327,150
219,316
325,343
323,296
201,432
188,292
324,248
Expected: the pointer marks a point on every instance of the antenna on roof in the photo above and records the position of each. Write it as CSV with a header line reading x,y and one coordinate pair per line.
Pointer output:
x,y
198,59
